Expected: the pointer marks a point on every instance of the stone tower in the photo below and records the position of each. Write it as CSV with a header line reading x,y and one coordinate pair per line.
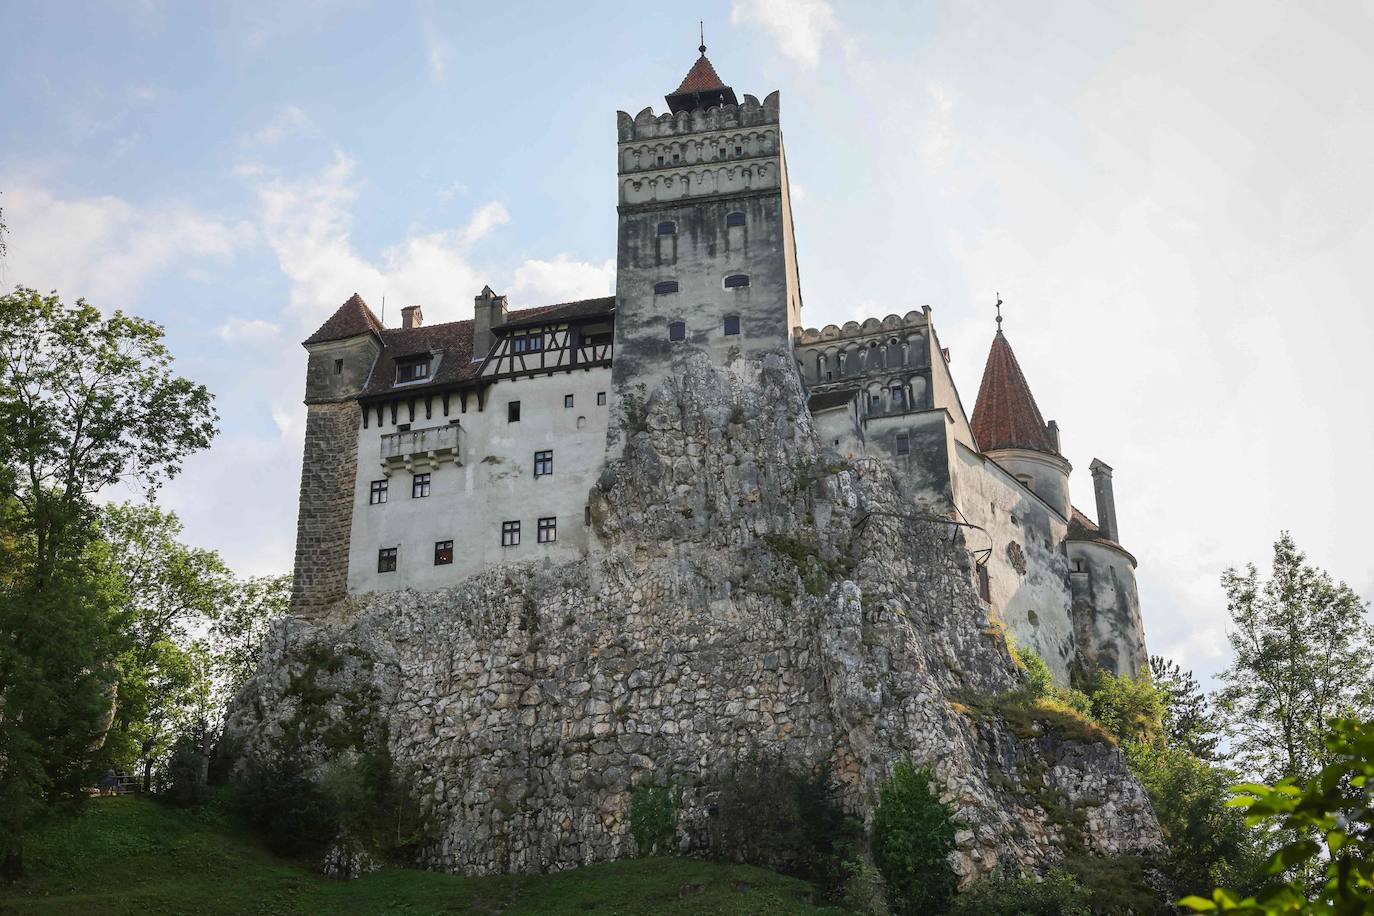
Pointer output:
x,y
342,354
705,252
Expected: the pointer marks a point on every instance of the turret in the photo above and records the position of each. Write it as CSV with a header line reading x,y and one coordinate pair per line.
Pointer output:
x,y
342,354
1009,429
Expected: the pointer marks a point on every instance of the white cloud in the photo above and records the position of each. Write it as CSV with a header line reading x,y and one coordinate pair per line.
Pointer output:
x,y
562,279
105,248
800,27
487,218
253,330
286,122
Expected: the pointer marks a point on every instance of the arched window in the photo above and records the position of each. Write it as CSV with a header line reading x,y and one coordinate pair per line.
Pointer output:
x,y
664,287
731,325
667,227
677,330
734,219
736,281
820,365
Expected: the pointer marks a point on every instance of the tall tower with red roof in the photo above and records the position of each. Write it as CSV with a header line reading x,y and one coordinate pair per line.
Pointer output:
x,y
705,250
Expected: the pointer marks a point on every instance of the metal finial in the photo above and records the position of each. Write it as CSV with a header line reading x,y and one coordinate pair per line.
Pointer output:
x,y
999,313
701,24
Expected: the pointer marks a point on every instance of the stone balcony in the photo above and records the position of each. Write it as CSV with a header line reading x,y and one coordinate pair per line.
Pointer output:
x,y
417,449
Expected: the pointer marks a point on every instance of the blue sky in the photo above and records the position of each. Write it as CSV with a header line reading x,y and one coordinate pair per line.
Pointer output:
x,y
1173,199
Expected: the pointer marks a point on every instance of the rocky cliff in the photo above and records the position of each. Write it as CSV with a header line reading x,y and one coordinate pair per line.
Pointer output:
x,y
750,594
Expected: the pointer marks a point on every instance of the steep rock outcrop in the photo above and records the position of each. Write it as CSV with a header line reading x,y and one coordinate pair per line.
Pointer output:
x,y
750,594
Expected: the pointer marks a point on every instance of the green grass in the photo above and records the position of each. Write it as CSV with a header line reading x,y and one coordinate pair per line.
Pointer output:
x,y
130,855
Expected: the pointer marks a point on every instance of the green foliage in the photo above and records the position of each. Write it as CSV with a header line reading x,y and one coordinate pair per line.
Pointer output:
x,y
1057,894
1330,826
1116,884
128,855
1039,678
653,818
1302,647
1189,722
771,814
1209,844
1131,708
864,892
913,835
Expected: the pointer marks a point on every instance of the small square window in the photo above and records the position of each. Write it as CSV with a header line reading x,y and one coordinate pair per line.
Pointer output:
x,y
512,411
677,330
510,534
898,396
419,486
377,492
543,463
386,559
734,219
601,399
548,530
875,402
736,281
338,367
443,553
731,325
664,287
739,150
567,401
667,227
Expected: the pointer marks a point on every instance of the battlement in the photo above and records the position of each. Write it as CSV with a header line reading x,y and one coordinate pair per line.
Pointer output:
x,y
647,125
855,329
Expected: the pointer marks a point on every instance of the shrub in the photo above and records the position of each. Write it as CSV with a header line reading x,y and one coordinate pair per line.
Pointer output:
x,y
1058,894
1117,885
913,835
183,778
864,891
1130,708
1039,678
653,819
771,814
290,811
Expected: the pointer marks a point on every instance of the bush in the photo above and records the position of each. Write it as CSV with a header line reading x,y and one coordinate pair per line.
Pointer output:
x,y
183,779
653,819
913,835
1058,894
791,821
1130,708
1117,885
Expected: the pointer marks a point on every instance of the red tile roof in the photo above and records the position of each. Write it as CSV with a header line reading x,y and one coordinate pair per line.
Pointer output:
x,y
1005,415
701,77
352,318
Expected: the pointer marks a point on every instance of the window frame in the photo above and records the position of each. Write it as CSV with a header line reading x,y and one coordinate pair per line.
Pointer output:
x,y
543,463
735,218
546,530
512,411
677,331
601,399
420,485
374,492
736,285
672,228
725,326
388,558
902,443
443,553
567,402
510,533
408,365
666,287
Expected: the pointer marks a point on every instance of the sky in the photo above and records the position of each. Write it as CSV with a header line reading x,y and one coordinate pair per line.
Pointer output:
x,y
1172,198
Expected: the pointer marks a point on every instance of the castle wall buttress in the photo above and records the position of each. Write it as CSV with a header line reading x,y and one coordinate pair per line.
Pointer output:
x,y
328,470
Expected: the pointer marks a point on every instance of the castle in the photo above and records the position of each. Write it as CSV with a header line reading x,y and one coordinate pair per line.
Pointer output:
x,y
434,452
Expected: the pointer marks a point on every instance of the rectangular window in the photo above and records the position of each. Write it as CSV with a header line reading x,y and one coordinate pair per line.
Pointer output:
x,y
567,401
898,396
510,534
443,553
413,370
377,493
386,559
513,412
601,399
731,325
586,515
338,367
543,463
548,530
419,486
529,343
903,444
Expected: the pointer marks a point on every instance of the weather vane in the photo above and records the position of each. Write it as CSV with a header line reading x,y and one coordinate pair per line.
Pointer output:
x,y
701,24
999,312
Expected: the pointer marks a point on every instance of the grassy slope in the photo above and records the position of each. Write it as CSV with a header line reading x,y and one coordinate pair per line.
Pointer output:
x,y
129,855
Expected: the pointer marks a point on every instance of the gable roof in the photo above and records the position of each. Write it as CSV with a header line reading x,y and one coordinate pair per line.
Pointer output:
x,y
1006,415
351,319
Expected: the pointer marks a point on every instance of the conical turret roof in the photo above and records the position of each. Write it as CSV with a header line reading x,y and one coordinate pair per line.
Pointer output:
x,y
1005,415
702,87
351,319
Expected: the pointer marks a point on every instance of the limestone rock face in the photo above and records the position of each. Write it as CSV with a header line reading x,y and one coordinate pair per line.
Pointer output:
x,y
749,594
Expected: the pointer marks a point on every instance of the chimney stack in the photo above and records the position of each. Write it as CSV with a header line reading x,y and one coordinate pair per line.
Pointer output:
x,y
412,317
1106,501
488,310
1052,428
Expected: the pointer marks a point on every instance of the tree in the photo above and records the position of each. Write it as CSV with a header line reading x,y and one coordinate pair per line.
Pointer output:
x,y
1302,656
1331,823
1188,720
85,402
240,626
913,835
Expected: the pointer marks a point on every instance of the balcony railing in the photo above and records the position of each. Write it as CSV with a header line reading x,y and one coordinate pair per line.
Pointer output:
x,y
432,444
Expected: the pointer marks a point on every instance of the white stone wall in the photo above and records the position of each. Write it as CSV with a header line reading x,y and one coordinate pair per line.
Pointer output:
x,y
492,482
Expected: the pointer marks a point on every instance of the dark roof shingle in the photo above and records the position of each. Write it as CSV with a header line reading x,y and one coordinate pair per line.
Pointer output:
x,y
1005,415
351,319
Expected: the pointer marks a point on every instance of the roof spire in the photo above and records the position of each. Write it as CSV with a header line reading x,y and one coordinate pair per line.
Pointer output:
x,y
999,313
701,24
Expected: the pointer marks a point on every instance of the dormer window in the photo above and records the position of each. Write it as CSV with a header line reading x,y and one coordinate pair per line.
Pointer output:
x,y
529,343
412,370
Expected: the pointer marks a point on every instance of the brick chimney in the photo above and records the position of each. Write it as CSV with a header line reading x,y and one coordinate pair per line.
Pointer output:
x,y
412,317
488,310
1106,500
